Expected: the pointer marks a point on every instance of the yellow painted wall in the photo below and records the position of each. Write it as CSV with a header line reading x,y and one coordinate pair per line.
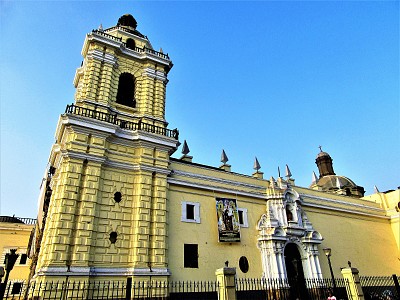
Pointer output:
x,y
15,236
212,254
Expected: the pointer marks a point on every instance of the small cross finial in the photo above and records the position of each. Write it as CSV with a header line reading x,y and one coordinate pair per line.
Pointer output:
x,y
226,263
320,148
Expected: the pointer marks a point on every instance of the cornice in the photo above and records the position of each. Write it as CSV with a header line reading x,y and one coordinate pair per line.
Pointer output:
x,y
105,130
217,180
340,202
214,188
102,56
94,271
344,210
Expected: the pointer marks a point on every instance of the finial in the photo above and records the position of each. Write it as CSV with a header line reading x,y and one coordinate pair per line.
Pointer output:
x,y
288,174
185,148
349,263
320,148
100,27
314,177
279,172
161,51
256,165
272,181
376,189
224,158
226,263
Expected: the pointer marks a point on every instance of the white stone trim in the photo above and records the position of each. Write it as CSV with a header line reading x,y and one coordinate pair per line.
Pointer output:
x,y
196,212
93,271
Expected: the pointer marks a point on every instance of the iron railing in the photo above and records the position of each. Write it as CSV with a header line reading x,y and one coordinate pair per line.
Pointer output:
x,y
100,32
154,290
124,124
380,287
268,288
246,288
13,219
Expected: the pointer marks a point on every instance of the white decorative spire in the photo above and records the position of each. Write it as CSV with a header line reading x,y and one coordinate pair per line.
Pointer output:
x,y
224,158
314,177
100,27
256,165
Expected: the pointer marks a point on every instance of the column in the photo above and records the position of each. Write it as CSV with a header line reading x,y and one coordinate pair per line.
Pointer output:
x,y
226,282
355,291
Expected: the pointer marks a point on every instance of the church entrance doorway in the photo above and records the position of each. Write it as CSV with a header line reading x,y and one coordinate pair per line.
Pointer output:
x,y
295,273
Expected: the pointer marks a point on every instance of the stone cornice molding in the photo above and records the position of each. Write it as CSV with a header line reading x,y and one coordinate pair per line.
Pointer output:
x,y
103,57
217,180
361,206
93,271
104,129
83,156
213,188
150,72
114,164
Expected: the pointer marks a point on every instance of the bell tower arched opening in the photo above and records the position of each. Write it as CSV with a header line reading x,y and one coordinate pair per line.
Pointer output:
x,y
126,90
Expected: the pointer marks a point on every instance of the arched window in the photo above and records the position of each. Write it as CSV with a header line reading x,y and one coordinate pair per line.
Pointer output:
x,y
126,90
130,43
289,214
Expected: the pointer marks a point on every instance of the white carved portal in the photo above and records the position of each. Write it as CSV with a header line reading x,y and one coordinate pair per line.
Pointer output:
x,y
285,223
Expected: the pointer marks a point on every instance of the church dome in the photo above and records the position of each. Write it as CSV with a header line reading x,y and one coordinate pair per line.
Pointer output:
x,y
335,181
322,153
128,21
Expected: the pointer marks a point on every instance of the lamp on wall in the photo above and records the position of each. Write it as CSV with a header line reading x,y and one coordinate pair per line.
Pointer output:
x,y
10,260
328,253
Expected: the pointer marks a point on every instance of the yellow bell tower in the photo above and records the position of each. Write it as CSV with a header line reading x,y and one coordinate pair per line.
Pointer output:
x,y
107,214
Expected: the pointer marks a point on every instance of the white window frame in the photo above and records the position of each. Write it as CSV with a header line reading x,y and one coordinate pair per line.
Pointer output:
x,y
244,214
196,212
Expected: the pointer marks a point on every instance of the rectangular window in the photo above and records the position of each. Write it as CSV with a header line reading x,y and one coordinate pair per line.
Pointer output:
x,y
243,217
190,212
23,259
16,288
240,217
190,256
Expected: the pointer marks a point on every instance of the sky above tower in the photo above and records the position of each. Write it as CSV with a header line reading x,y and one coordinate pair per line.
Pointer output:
x,y
272,80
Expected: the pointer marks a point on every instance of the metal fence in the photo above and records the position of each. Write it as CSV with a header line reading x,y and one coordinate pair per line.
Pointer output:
x,y
146,290
311,289
380,287
374,288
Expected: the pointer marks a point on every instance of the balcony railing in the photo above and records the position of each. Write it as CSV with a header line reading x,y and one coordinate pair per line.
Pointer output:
x,y
99,32
113,119
137,49
13,219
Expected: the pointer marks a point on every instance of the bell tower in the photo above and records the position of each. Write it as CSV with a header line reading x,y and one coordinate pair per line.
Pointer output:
x,y
107,215
121,73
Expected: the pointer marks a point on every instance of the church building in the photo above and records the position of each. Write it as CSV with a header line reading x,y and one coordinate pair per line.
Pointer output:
x,y
116,204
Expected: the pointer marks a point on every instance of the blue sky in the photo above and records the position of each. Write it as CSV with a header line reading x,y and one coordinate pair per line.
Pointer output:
x,y
268,79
